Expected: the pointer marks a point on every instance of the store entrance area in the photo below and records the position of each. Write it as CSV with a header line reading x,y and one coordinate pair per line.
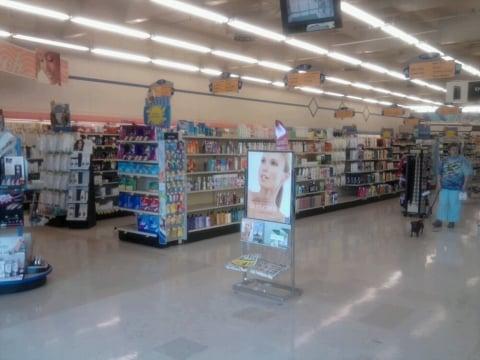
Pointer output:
x,y
370,291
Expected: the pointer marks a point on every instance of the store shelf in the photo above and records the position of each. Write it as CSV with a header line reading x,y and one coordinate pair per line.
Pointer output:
x,y
107,183
110,146
215,190
368,184
366,160
133,229
105,197
369,172
200,208
188,137
104,171
310,194
139,192
151,142
213,227
309,180
35,159
138,211
219,155
154,176
309,153
215,172
104,160
139,161
99,134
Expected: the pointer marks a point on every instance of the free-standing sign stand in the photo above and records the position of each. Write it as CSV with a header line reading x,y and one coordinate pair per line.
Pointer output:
x,y
267,261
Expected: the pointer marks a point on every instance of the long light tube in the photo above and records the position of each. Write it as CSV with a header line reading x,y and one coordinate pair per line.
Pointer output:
x,y
121,55
50,42
246,27
274,65
344,58
193,10
374,67
4,34
233,56
181,44
337,80
306,46
212,72
105,26
175,65
34,10
361,15
256,79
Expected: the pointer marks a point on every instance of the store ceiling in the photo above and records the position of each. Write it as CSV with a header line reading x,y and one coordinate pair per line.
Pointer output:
x,y
449,25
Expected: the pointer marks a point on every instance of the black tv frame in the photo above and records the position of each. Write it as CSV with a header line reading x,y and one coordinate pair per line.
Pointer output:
x,y
299,27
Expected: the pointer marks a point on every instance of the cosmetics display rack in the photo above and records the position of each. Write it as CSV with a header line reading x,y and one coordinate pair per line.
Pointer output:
x,y
17,273
81,195
34,164
105,173
56,149
151,166
416,201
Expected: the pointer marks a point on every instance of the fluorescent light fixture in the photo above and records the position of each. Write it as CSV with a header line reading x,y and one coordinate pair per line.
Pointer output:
x,y
278,84
337,80
435,87
241,25
469,69
447,58
428,48
306,46
419,82
399,94
121,55
414,98
257,80
362,86
354,97
181,44
361,15
175,65
311,90
35,10
333,94
104,26
193,10
396,74
371,101
4,34
211,72
345,58
386,103
382,90
275,66
233,56
374,67
422,108
438,103
234,76
51,42
302,72
471,109
399,34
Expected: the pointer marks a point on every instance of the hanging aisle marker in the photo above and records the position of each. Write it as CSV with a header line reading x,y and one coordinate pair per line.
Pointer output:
x,y
344,113
311,78
393,111
449,110
437,69
225,85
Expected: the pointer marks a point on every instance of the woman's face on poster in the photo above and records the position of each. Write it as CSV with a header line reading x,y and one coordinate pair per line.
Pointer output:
x,y
272,172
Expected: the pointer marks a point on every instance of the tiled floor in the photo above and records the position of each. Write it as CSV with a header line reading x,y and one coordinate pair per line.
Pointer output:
x,y
369,292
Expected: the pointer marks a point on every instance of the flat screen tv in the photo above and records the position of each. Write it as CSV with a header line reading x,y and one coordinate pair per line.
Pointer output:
x,y
310,15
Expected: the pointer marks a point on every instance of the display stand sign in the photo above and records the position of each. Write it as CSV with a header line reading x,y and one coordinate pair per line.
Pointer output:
x,y
344,113
268,230
281,136
349,130
428,70
451,132
310,78
393,111
423,131
157,110
449,110
387,133
225,85
60,117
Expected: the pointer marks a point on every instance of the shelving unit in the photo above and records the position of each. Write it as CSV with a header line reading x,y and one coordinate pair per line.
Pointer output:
x,y
151,165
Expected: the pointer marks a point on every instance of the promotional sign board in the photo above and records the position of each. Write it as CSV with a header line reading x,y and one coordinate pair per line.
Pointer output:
x,y
311,78
411,122
393,111
225,85
450,132
344,113
387,133
449,110
157,110
281,136
437,69
270,186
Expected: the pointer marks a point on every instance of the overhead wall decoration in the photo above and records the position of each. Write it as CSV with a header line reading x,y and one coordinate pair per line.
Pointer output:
x,y
45,66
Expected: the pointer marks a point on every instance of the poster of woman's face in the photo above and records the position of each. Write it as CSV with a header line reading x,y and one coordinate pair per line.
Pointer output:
x,y
270,186
48,67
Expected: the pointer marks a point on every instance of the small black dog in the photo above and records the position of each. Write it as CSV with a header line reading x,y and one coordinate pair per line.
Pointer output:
x,y
416,227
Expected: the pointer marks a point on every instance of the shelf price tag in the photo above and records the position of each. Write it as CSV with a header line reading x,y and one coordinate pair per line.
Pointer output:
x,y
344,113
393,111
449,110
311,78
437,69
225,85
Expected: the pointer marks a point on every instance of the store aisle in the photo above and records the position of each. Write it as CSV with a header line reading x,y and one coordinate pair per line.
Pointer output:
x,y
370,292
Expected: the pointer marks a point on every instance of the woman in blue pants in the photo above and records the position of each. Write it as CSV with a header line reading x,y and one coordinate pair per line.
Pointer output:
x,y
453,179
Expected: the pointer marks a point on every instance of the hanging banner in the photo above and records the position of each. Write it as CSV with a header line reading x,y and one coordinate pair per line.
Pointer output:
x,y
344,113
281,136
17,61
225,85
157,110
449,110
438,69
393,111
311,78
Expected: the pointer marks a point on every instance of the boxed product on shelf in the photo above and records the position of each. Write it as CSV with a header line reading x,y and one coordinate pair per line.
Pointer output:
x,y
138,168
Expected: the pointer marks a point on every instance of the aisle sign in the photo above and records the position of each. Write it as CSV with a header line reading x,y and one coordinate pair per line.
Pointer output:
x,y
344,113
393,111
411,122
225,85
438,69
157,110
450,132
311,78
449,110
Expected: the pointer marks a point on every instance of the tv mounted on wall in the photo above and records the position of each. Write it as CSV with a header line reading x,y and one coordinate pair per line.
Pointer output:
x,y
310,15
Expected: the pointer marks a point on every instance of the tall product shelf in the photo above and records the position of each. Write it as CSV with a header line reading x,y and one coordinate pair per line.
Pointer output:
x,y
151,166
